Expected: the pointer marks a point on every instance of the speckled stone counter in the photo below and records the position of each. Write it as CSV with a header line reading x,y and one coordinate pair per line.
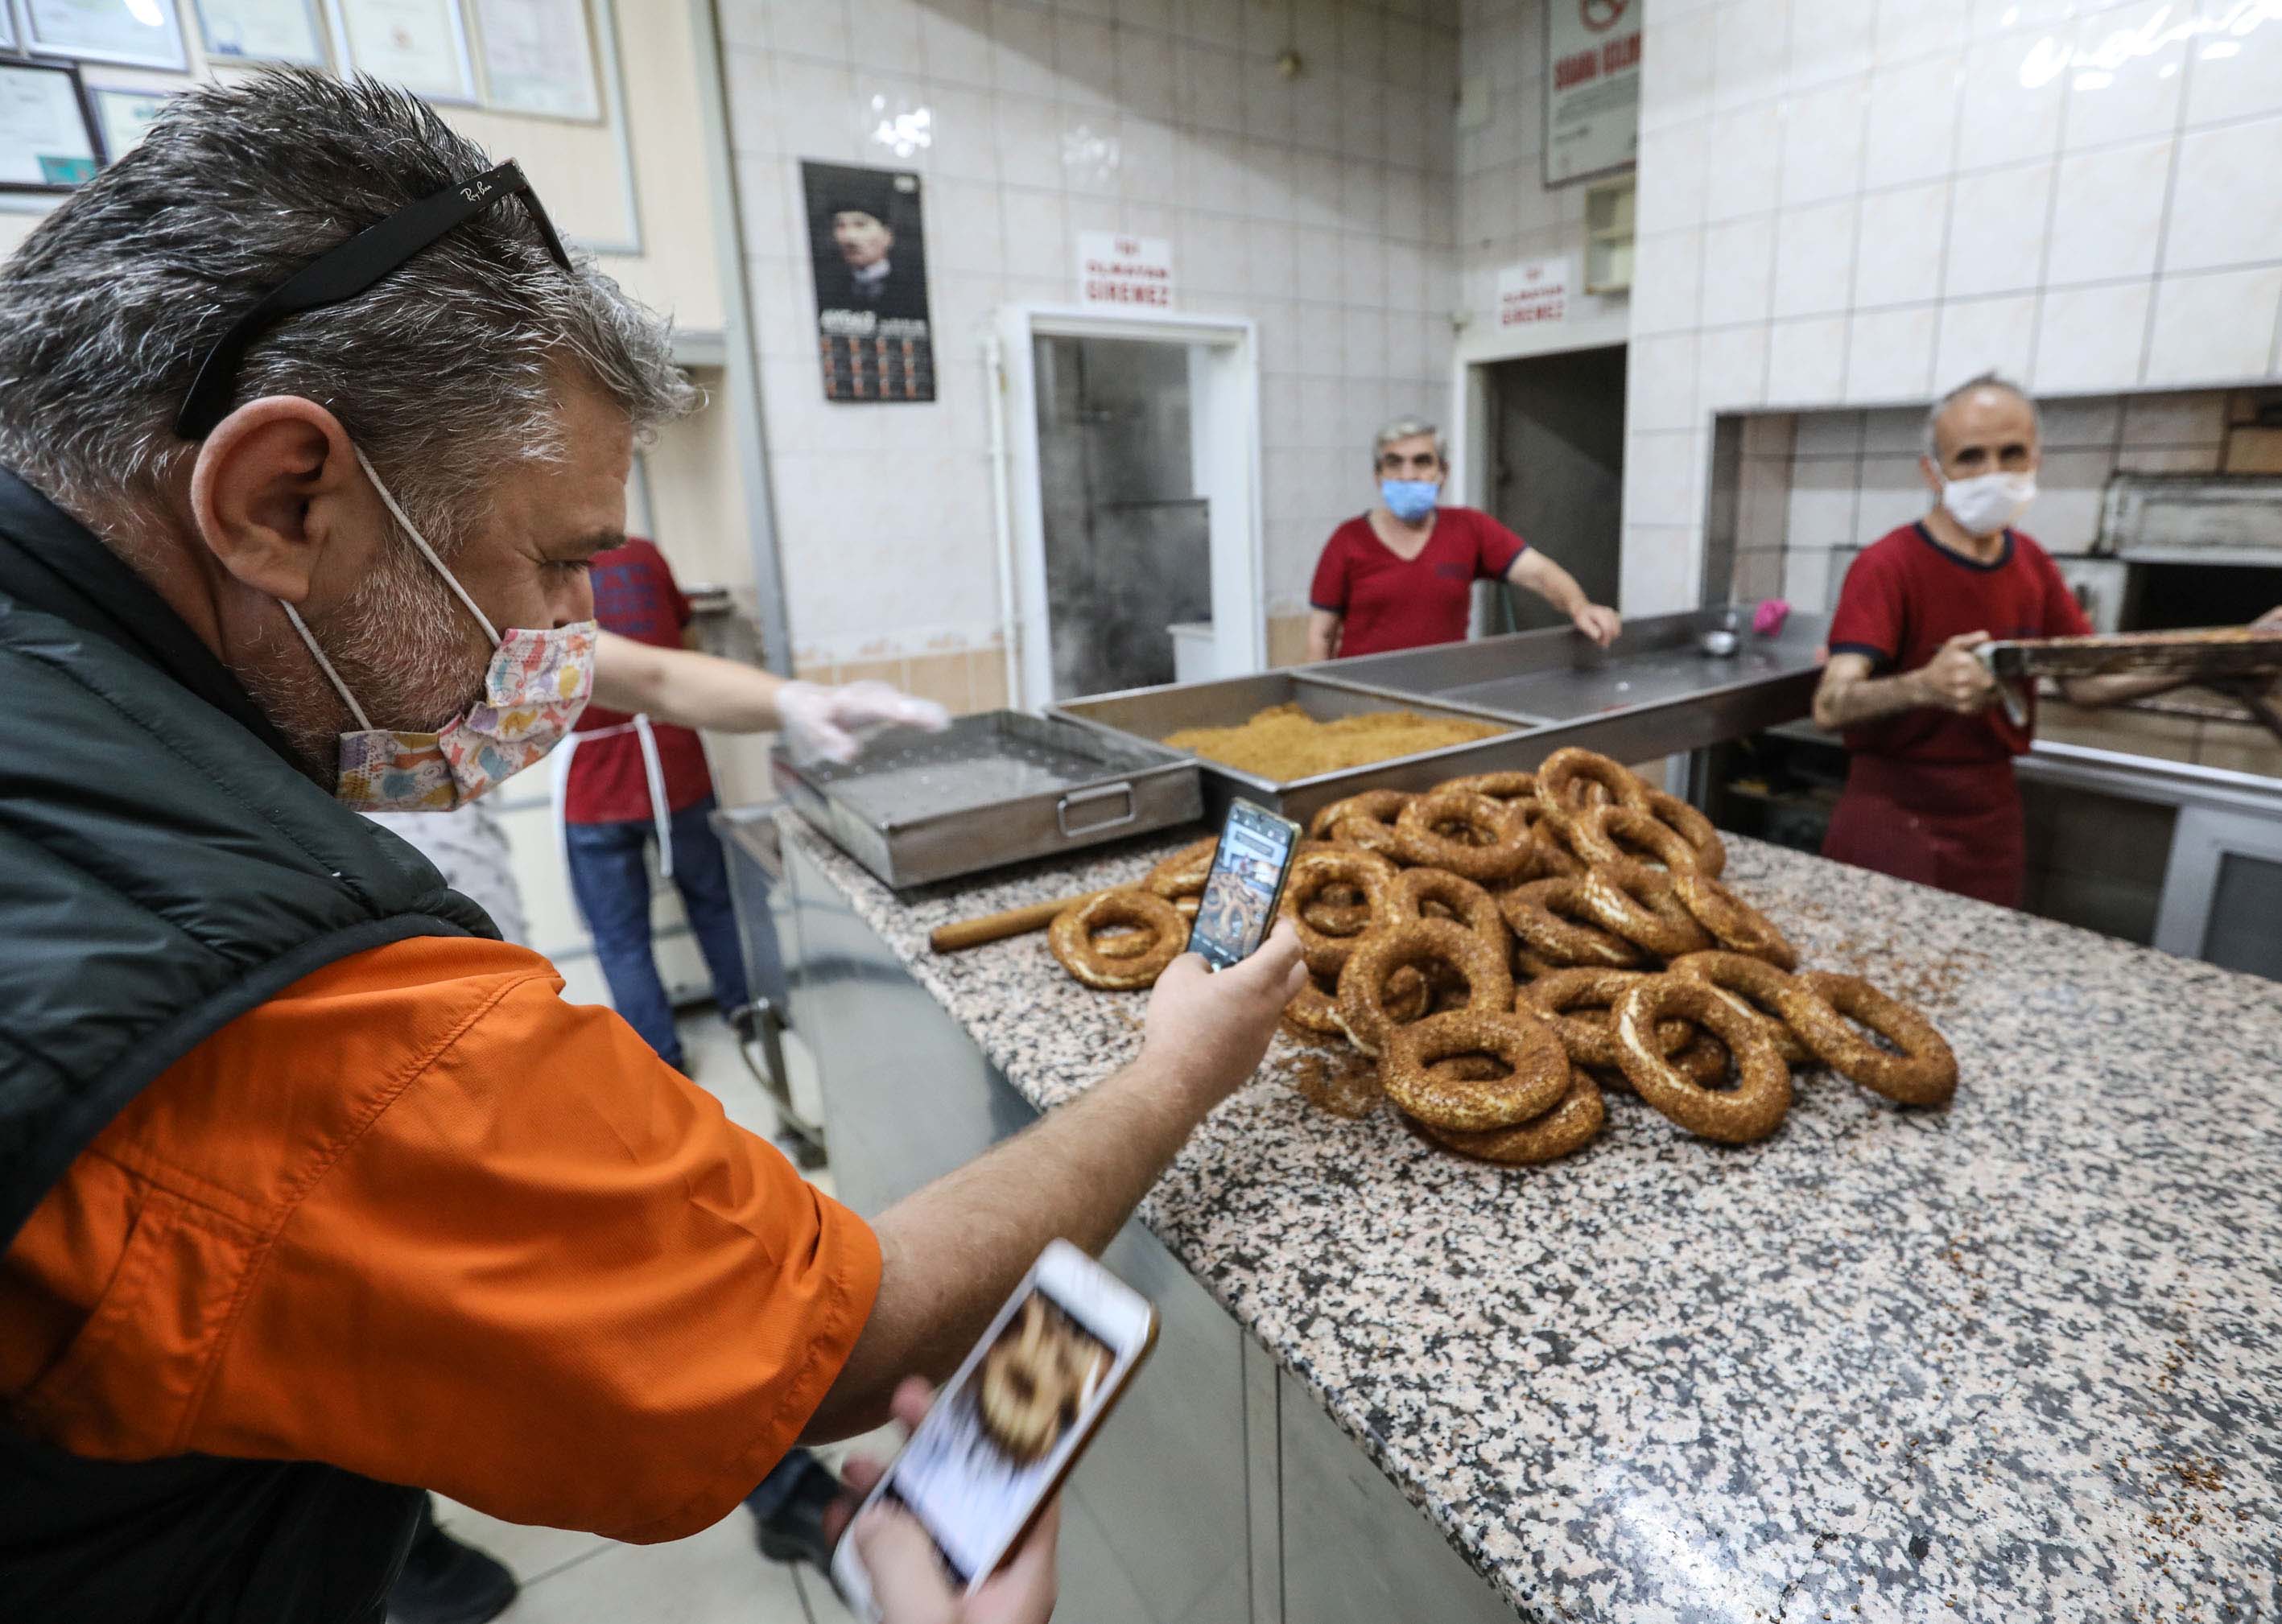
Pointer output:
x,y
2018,1360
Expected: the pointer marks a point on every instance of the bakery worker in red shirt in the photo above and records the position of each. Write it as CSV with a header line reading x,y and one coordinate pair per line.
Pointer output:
x,y
624,784
1929,791
1403,575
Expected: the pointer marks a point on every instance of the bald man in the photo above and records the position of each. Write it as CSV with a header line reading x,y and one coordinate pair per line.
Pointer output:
x,y
1930,791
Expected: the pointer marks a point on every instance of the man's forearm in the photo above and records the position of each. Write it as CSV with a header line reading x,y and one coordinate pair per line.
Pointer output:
x,y
1869,699
685,688
2097,691
952,1252
1541,575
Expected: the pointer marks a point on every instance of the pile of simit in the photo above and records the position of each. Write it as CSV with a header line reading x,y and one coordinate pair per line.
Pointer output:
x,y
1502,944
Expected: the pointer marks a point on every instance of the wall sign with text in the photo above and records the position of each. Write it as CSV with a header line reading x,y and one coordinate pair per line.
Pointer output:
x,y
1533,293
1592,94
1130,273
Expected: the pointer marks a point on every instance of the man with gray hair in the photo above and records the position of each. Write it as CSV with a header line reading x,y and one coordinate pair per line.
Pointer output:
x,y
310,1186
1929,789
1402,575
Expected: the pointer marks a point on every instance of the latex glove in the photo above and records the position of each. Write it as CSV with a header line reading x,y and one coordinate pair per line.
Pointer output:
x,y
828,724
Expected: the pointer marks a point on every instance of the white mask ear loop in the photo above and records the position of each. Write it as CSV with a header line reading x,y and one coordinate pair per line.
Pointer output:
x,y
426,551
326,666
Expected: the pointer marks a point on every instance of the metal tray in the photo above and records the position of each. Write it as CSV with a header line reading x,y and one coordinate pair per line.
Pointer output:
x,y
1558,676
1146,715
997,787
2215,651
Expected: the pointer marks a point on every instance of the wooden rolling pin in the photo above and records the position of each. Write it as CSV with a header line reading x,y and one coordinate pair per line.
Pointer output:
x,y
997,927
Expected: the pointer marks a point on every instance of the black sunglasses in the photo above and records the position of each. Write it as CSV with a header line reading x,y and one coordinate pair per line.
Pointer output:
x,y
345,271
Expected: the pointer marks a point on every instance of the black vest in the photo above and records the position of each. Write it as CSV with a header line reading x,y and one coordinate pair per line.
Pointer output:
x,y
163,868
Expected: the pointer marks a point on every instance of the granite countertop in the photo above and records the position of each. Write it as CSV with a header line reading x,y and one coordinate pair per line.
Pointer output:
x,y
2017,1360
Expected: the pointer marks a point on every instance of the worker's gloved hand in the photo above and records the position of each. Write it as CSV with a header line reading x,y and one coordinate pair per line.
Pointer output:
x,y
832,724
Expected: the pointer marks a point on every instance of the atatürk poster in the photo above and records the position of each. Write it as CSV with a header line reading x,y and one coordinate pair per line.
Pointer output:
x,y
869,253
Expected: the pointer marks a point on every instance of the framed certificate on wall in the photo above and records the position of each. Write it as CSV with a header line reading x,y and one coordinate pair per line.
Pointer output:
x,y
538,57
263,31
47,142
137,33
419,44
122,116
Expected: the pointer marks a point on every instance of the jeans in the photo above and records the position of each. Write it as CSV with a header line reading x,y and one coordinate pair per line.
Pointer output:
x,y
612,885
777,1488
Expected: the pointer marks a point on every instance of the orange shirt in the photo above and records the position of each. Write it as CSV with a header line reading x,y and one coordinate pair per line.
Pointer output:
x,y
418,1218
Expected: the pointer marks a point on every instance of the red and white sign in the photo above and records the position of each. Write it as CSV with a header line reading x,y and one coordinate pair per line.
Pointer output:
x,y
1130,272
1592,105
1533,293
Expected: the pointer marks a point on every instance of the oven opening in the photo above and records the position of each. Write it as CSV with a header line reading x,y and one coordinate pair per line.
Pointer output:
x,y
2173,597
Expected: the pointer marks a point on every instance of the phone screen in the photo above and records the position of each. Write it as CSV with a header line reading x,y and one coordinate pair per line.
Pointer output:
x,y
986,1455
1246,880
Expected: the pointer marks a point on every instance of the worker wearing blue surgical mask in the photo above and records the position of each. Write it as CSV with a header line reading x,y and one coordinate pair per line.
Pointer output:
x,y
1403,575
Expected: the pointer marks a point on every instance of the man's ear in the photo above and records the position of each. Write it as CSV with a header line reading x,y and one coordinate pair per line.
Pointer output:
x,y
1931,475
274,483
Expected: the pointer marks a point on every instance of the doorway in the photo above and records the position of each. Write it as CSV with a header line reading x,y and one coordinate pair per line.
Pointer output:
x,y
1127,448
1128,539
1557,472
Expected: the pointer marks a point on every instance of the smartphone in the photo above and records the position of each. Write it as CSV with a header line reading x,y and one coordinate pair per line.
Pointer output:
x,y
1246,885
1006,1429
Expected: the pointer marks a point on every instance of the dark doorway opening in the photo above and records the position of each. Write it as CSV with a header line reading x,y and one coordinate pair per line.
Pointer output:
x,y
1557,471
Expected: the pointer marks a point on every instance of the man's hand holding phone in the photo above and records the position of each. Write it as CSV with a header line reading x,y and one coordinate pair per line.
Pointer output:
x,y
1208,1030
909,1582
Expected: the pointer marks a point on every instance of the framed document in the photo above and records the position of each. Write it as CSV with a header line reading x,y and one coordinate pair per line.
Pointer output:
x,y
539,57
263,31
138,32
419,44
121,116
47,142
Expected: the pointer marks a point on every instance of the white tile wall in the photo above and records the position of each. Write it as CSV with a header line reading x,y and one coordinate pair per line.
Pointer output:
x,y
2085,195
1817,486
1321,206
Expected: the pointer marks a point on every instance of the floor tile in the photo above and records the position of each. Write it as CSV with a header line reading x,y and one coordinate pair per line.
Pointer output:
x,y
530,1553
716,1577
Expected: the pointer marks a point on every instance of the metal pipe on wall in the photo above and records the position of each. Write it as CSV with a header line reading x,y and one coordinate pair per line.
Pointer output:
x,y
1002,512
741,363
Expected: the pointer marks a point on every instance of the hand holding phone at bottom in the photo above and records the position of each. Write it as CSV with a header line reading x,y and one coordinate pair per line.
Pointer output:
x,y
909,1584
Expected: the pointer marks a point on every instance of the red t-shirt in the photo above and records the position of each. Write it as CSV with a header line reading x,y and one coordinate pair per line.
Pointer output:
x,y
635,595
1908,595
1388,602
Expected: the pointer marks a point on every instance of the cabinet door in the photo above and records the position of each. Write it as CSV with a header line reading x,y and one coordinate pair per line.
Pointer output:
x,y
2223,892
1355,1551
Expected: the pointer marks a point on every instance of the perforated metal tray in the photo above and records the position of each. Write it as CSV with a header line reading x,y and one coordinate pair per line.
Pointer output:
x,y
997,788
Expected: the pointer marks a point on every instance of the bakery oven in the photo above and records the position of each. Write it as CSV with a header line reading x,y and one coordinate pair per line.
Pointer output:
x,y
2193,549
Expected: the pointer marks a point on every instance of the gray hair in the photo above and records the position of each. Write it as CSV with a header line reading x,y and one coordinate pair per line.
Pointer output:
x,y
1408,429
451,365
1985,380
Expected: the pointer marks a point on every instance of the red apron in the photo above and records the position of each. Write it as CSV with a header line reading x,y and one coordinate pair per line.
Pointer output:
x,y
1955,825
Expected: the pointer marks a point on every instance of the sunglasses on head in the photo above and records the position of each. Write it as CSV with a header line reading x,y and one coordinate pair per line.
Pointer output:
x,y
342,273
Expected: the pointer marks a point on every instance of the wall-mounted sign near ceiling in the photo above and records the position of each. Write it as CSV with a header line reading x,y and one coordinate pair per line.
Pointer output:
x,y
1592,98
1533,293
1131,273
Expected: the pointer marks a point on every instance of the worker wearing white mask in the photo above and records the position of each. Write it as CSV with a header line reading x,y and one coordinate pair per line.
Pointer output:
x,y
1929,791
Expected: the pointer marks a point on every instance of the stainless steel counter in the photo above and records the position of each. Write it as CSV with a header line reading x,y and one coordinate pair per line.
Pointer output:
x,y
1655,693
